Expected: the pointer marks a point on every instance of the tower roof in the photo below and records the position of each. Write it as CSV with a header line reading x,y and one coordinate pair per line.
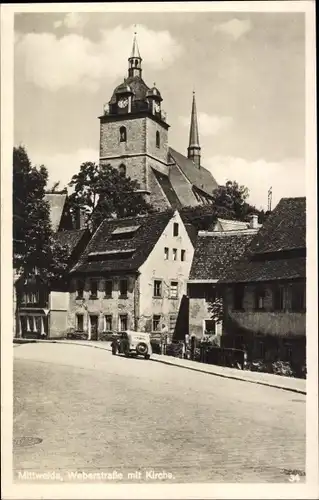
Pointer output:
x,y
193,133
135,50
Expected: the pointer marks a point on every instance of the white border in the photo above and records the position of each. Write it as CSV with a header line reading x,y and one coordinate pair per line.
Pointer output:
x,y
117,491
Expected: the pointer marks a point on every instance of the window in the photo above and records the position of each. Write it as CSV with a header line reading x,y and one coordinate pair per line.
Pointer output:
x,y
174,253
174,290
183,255
108,288
260,299
175,229
123,288
210,327
93,289
79,322
108,322
79,289
158,139
156,323
123,322
166,253
122,170
298,297
238,297
278,298
172,323
157,288
123,134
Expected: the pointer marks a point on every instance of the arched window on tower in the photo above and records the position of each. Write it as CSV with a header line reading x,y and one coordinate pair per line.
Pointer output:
x,y
158,139
122,170
136,63
123,134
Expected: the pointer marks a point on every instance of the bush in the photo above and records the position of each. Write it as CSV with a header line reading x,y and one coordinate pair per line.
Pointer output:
x,y
77,335
106,336
175,349
283,368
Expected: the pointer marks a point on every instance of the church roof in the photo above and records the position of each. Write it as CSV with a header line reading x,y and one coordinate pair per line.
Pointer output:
x,y
138,87
193,132
168,189
199,177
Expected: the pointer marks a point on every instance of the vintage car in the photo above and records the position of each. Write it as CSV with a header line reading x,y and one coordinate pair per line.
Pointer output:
x,y
131,343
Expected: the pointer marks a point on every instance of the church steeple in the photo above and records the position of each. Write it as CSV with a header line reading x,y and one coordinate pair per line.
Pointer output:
x,y
194,149
135,60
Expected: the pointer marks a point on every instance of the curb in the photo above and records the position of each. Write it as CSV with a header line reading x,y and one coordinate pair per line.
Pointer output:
x,y
165,362
284,388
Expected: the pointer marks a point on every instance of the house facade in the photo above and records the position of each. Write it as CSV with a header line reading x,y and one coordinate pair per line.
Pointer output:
x,y
42,307
265,291
215,251
132,275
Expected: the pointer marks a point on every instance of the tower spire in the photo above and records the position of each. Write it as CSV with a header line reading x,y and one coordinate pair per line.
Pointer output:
x,y
135,60
194,149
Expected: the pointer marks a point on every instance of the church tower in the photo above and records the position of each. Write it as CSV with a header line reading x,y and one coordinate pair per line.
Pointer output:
x,y
133,128
194,149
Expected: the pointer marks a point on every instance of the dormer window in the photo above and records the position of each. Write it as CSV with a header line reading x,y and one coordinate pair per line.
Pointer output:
x,y
123,134
122,170
158,139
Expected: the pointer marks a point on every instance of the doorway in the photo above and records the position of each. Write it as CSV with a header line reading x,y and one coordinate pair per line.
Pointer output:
x,y
93,326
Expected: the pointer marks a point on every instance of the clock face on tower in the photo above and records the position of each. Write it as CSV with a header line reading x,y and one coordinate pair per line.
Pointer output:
x,y
122,103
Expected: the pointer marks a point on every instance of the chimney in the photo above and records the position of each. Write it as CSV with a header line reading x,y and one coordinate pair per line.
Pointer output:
x,y
80,219
253,221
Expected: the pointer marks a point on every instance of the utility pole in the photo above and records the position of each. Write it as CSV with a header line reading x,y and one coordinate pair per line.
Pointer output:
x,y
269,199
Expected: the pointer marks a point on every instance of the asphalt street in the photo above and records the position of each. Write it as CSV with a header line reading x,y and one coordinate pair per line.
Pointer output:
x,y
138,420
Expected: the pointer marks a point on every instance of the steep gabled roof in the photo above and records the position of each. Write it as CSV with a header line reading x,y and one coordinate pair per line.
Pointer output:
x,y
284,229
278,251
216,251
70,238
56,203
198,177
106,253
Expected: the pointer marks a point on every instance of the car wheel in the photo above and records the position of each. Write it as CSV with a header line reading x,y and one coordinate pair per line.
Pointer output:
x,y
142,349
147,356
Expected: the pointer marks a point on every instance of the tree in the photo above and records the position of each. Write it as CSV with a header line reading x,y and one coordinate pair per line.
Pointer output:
x,y
100,191
35,249
216,309
233,197
229,202
31,221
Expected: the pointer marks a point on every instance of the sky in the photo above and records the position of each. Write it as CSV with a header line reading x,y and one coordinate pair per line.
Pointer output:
x,y
247,69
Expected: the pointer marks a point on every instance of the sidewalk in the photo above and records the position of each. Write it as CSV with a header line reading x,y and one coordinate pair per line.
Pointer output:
x,y
268,379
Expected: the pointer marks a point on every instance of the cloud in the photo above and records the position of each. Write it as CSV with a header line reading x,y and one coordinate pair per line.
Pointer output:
x,y
74,20
208,124
62,166
234,28
287,178
75,61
